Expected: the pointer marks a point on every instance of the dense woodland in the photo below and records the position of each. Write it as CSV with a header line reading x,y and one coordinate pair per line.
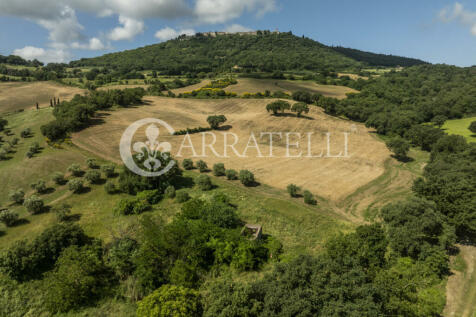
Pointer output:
x,y
265,52
373,59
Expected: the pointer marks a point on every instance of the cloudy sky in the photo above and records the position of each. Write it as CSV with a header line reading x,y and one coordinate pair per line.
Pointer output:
x,y
438,31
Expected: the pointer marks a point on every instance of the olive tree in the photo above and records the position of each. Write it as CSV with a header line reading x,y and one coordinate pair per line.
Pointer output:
x,y
215,121
34,204
299,108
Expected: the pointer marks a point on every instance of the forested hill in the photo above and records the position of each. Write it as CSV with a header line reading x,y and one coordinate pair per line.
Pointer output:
x,y
265,51
373,59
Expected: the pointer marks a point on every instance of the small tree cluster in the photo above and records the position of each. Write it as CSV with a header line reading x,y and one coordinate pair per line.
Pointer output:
x,y
278,106
399,146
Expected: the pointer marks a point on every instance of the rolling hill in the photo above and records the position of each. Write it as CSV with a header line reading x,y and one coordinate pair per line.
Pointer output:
x,y
264,51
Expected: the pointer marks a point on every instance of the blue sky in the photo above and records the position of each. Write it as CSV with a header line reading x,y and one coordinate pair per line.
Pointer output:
x,y
437,31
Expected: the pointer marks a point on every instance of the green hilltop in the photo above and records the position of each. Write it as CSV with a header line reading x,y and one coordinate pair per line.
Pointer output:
x,y
261,51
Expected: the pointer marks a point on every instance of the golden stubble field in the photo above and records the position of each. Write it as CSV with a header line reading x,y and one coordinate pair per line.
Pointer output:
x,y
330,177
251,85
20,95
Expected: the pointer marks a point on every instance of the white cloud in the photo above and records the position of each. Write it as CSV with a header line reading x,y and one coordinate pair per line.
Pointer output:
x,y
222,11
236,28
94,44
46,56
129,29
65,31
460,14
168,33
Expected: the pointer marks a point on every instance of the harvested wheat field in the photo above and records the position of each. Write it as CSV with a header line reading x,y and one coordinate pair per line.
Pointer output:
x,y
260,85
329,177
16,96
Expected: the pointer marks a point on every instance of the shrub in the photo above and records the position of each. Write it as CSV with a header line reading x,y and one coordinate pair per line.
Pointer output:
x,y
129,206
8,217
39,186
152,196
14,141
25,133
309,198
76,186
91,163
125,206
247,178
34,204
58,178
29,154
187,164
182,196
108,170
17,196
204,182
171,300
293,190
62,212
75,169
170,192
219,169
93,177
472,127
231,174
202,166
3,124
110,187
7,148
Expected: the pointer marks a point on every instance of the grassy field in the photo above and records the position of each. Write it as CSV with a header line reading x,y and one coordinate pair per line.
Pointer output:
x,y
461,286
23,95
300,227
460,127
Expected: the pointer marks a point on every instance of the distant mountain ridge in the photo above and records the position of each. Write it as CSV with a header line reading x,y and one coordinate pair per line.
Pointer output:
x,y
262,51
